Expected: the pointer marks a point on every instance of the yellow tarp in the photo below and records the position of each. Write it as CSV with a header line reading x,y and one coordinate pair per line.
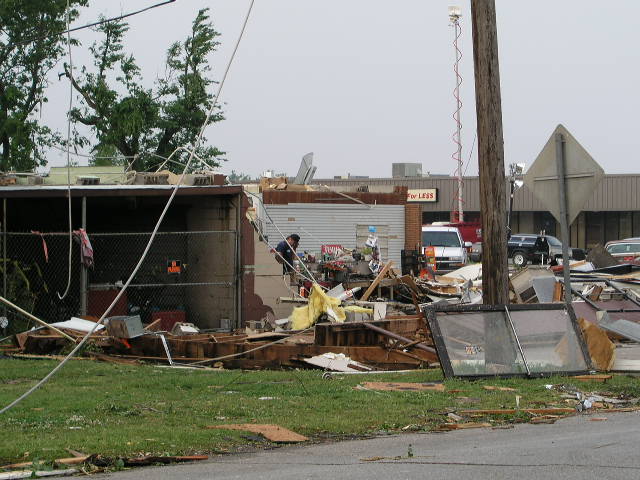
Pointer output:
x,y
319,303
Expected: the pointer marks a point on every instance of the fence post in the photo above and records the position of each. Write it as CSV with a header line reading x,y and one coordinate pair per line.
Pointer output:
x,y
83,268
238,261
4,254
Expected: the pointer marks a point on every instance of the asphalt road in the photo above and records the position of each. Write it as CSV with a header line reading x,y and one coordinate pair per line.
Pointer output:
x,y
573,448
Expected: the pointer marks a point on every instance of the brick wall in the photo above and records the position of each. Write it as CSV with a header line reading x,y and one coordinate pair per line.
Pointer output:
x,y
412,226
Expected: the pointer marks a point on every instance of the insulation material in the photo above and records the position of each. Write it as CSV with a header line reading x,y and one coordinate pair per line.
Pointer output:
x,y
601,349
319,302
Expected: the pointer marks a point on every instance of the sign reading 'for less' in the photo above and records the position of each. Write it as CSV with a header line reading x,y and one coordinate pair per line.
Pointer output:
x,y
422,195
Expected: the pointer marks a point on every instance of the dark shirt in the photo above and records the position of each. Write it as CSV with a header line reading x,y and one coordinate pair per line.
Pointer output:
x,y
286,251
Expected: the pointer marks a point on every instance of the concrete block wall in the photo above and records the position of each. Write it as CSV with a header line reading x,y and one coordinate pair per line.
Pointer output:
x,y
212,259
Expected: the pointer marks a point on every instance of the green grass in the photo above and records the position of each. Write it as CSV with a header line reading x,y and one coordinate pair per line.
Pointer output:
x,y
116,410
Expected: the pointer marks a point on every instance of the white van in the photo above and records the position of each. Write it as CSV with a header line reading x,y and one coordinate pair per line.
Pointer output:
x,y
450,250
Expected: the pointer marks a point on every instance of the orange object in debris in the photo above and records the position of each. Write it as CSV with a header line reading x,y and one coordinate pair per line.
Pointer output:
x,y
430,256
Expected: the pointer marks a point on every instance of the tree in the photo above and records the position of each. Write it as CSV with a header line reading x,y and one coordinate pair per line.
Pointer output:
x,y
146,125
31,44
239,177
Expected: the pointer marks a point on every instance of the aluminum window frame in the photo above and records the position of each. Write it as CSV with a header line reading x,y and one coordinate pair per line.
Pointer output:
x,y
431,312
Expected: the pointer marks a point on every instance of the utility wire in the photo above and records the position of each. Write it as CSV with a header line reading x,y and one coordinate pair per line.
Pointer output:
x,y
153,234
66,291
94,24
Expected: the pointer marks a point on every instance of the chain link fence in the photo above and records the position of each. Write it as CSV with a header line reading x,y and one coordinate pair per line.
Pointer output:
x,y
186,276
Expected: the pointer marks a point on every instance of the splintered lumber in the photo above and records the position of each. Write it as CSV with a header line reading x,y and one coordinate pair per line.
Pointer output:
x,y
601,349
36,319
152,460
593,378
112,359
501,389
463,426
376,281
60,461
404,386
36,473
511,411
274,433
395,336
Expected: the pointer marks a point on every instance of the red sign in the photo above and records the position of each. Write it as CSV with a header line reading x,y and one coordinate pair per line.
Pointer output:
x,y
422,195
333,250
174,267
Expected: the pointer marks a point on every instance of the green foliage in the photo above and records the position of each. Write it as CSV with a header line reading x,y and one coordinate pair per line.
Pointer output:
x,y
144,124
237,177
119,410
30,47
25,284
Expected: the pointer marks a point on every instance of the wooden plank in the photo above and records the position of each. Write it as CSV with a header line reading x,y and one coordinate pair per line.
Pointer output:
x,y
558,292
511,411
404,386
376,281
275,433
593,378
594,296
463,426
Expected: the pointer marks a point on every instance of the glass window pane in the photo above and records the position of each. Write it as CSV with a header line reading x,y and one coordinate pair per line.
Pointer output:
x,y
470,353
548,340
482,343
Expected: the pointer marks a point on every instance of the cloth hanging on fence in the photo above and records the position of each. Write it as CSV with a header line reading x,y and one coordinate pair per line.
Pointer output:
x,y
86,250
44,245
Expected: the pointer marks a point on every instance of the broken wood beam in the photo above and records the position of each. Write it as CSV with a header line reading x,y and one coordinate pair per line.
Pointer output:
x,y
36,319
376,281
511,411
395,336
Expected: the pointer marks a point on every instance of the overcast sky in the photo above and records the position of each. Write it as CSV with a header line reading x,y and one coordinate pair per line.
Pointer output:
x,y
364,83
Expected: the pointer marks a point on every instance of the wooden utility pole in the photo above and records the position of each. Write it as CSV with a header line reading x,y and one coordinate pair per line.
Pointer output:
x,y
495,270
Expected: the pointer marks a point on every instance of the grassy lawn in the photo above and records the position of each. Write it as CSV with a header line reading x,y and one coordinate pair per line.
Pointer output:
x,y
116,410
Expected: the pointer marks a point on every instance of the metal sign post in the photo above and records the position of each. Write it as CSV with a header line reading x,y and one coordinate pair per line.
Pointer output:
x,y
564,225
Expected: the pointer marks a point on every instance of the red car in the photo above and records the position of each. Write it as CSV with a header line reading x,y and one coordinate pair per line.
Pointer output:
x,y
625,251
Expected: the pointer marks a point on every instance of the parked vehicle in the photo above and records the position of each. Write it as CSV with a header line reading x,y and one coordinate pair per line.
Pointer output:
x,y
450,249
625,251
523,248
475,252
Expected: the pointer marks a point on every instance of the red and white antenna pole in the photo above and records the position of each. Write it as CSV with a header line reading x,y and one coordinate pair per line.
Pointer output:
x,y
454,17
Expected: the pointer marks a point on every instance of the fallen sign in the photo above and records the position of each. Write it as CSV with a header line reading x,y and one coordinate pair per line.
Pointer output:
x,y
274,433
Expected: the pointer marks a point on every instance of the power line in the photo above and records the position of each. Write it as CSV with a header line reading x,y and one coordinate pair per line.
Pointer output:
x,y
68,19
99,22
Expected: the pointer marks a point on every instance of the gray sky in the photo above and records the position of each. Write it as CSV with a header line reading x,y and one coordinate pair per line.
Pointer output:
x,y
364,83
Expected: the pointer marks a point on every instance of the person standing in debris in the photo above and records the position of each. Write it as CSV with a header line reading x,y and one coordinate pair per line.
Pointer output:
x,y
286,251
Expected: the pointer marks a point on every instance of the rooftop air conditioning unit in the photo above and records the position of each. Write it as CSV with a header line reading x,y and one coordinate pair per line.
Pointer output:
x,y
202,180
87,180
35,180
400,170
151,178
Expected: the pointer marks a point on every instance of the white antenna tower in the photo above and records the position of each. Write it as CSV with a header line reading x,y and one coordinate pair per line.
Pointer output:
x,y
454,17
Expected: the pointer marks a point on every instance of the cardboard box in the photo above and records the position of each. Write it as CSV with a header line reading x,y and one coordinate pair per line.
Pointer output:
x,y
125,326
